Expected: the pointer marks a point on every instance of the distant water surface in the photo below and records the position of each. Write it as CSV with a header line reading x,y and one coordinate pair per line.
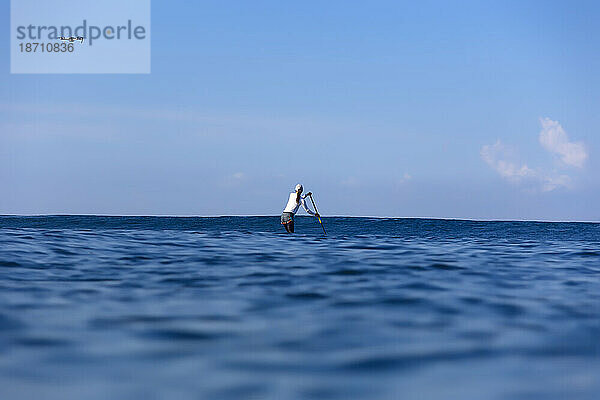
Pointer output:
x,y
233,308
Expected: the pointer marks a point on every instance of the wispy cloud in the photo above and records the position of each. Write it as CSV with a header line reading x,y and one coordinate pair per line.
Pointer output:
x,y
496,155
552,138
349,182
552,182
405,178
202,122
234,180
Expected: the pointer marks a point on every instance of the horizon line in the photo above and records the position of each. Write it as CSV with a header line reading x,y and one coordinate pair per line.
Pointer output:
x,y
276,215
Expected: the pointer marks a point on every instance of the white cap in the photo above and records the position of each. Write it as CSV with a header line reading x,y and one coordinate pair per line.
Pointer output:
x,y
299,187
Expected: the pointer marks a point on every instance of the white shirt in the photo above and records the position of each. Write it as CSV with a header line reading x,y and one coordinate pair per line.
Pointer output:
x,y
292,206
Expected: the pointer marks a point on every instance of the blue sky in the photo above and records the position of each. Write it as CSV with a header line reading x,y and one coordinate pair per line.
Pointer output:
x,y
483,109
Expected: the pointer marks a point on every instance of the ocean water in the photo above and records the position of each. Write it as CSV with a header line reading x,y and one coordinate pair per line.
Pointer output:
x,y
233,308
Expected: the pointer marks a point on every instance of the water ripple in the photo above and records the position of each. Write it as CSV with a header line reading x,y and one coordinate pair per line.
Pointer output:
x,y
230,307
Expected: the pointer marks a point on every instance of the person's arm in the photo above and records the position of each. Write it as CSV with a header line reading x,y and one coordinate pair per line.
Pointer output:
x,y
303,202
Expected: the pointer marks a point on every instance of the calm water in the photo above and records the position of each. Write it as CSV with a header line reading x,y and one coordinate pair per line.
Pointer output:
x,y
232,308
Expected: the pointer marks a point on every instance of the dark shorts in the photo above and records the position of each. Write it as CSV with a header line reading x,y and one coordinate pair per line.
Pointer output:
x,y
287,217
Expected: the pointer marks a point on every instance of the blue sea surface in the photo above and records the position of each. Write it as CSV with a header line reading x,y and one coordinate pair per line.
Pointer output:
x,y
233,308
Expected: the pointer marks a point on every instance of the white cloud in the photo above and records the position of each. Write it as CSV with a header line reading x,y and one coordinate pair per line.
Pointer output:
x,y
550,183
405,178
234,180
495,156
554,139
349,181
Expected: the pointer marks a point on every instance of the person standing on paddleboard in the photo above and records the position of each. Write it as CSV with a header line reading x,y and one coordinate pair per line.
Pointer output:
x,y
295,200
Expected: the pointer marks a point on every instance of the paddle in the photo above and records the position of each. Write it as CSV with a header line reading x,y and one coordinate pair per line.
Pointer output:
x,y
317,211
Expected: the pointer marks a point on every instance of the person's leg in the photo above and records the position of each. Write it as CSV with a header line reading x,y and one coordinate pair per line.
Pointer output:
x,y
287,220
